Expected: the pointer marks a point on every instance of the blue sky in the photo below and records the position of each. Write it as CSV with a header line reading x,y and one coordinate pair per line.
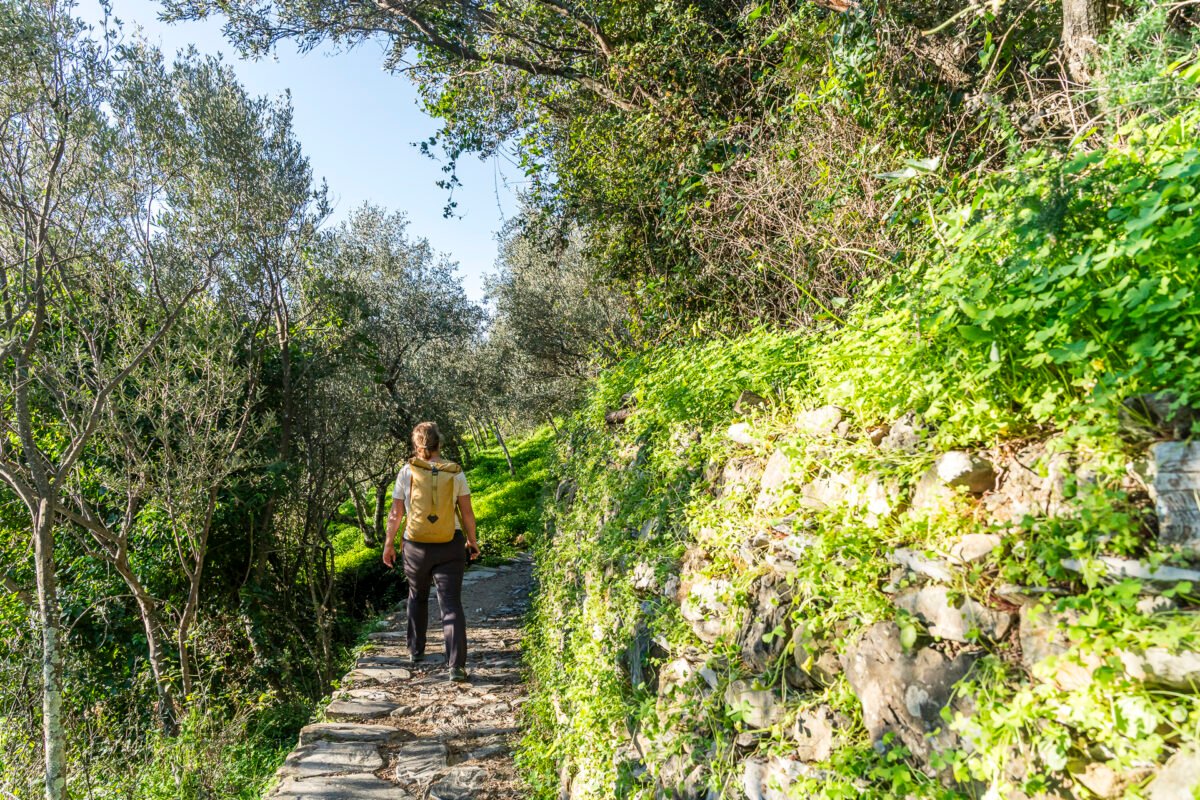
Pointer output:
x,y
357,124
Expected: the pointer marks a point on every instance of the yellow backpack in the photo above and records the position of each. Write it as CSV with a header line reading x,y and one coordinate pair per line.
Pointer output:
x,y
432,506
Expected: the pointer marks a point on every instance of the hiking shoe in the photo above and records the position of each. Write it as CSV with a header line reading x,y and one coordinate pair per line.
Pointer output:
x,y
417,658
458,675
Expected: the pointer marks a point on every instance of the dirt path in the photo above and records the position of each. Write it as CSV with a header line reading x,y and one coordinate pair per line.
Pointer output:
x,y
398,731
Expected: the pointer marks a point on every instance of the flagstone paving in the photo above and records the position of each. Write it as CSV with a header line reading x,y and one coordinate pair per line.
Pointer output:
x,y
400,731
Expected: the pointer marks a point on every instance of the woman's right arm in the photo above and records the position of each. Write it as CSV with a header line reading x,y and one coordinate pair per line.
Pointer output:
x,y
393,527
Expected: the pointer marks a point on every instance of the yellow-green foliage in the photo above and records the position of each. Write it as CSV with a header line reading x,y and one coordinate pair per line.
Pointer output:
x,y
1056,291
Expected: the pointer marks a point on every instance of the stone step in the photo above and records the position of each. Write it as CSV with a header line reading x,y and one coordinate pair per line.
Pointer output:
x,y
349,732
332,758
340,787
351,709
373,674
420,760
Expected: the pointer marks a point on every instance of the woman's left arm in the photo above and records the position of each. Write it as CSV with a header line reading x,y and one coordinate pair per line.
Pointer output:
x,y
468,523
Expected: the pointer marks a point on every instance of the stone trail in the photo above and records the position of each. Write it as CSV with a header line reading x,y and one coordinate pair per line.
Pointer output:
x,y
400,731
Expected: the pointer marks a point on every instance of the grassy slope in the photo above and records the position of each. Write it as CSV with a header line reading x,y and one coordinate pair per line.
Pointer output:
x,y
508,508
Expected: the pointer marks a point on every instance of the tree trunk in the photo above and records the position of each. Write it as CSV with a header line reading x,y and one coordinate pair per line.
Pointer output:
x,y
360,513
1084,22
53,736
553,427
42,516
382,496
168,712
192,607
504,447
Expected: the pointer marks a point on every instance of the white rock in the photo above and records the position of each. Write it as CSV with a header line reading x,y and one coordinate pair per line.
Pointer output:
x,y
761,708
1159,667
974,547
771,780
741,433
776,478
974,473
821,421
922,564
932,605
1120,568
1179,778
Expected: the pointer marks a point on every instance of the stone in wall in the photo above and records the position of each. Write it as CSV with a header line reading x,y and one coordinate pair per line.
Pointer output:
x,y
1157,414
1176,492
828,490
920,564
880,498
906,434
1104,782
1153,577
777,477
1179,777
815,733
771,779
564,493
1043,635
954,471
960,621
783,555
962,470
1159,668
904,693
761,708
675,674
768,611
1031,482
972,547
748,401
706,608
739,475
742,433
814,658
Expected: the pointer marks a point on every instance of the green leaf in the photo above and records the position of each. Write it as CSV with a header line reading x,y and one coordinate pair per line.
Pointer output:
x,y
758,12
973,333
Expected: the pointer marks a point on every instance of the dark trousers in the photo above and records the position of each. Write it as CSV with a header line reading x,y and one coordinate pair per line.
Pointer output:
x,y
443,564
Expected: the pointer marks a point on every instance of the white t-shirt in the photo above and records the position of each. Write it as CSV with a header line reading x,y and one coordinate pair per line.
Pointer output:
x,y
403,489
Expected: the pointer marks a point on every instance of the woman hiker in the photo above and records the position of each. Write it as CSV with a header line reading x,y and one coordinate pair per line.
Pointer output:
x,y
430,494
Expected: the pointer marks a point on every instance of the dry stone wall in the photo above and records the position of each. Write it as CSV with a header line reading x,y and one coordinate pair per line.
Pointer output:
x,y
745,586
